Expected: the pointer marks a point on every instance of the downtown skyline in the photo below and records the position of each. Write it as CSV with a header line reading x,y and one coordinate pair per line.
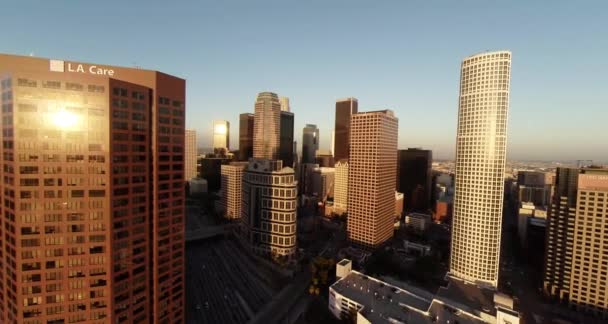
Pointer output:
x,y
407,60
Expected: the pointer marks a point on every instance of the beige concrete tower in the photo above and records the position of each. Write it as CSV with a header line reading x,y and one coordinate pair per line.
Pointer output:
x,y
190,163
371,177
341,187
588,283
232,179
266,127
480,167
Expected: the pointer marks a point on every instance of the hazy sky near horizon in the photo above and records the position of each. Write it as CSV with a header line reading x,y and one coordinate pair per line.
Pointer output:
x,y
400,55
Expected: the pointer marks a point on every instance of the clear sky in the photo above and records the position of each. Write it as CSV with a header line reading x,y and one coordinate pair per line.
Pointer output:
x,y
401,55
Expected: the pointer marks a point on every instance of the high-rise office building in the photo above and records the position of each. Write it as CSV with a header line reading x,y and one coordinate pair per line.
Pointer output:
x,y
211,169
561,220
267,126
414,178
190,162
588,281
371,177
534,187
324,158
246,122
480,167
310,143
94,193
286,145
221,134
323,180
345,108
269,209
231,189
341,187
284,101
576,261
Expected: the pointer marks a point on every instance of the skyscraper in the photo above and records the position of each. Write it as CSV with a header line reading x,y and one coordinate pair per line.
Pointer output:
x,y
310,143
269,209
286,145
267,126
345,108
414,177
231,189
576,261
371,177
94,196
190,159
221,134
246,122
561,220
588,281
480,167
341,187
284,104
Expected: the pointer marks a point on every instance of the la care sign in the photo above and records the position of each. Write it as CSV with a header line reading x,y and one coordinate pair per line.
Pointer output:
x,y
61,66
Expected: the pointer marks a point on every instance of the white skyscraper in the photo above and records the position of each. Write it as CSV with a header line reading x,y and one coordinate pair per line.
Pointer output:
x,y
480,167
190,152
341,187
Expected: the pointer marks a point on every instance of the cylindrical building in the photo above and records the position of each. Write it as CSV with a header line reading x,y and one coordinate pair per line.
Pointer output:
x,y
480,167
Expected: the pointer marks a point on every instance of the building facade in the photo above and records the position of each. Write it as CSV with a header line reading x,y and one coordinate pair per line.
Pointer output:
x,y
414,177
284,101
310,143
588,282
480,167
267,126
231,189
371,177
341,187
345,108
211,170
561,220
246,122
94,192
323,183
221,135
286,146
190,162
269,209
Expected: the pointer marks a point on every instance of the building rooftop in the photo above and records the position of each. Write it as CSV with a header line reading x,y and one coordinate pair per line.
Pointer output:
x,y
379,298
386,303
470,297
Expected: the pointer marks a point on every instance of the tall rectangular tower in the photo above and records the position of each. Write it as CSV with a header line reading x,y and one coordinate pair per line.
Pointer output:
x,y
588,280
286,145
190,162
371,177
231,189
267,126
310,143
560,227
345,108
94,191
246,122
480,167
414,176
221,135
341,187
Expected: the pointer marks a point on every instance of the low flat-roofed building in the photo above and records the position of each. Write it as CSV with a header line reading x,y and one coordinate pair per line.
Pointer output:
x,y
418,221
376,301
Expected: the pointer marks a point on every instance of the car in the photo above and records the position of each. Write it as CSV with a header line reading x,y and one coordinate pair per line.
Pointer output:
x,y
198,306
